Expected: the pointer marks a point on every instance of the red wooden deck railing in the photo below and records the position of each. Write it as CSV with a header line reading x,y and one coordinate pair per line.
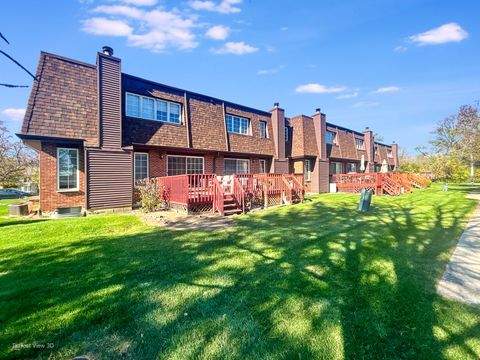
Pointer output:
x,y
381,183
218,196
198,189
188,189
239,193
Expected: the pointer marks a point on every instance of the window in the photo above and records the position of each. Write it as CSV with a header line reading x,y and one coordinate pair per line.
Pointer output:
x,y
359,145
331,137
237,166
152,109
263,166
307,170
237,124
351,168
141,166
133,105
336,168
180,165
286,133
263,129
389,153
67,169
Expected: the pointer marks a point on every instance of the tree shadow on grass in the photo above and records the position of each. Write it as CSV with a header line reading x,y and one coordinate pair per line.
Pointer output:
x,y
312,281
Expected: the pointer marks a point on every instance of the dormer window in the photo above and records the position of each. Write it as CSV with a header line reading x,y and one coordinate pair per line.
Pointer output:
x,y
237,124
149,108
331,137
359,144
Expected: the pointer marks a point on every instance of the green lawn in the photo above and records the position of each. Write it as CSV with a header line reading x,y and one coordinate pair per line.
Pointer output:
x,y
316,280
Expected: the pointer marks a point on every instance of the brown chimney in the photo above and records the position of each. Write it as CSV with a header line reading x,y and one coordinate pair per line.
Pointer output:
x,y
280,163
370,149
395,155
109,76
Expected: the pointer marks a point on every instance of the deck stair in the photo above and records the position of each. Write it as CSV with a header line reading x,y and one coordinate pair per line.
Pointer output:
x,y
231,206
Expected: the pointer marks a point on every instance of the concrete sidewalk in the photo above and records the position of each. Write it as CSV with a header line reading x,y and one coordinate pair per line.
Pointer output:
x,y
461,280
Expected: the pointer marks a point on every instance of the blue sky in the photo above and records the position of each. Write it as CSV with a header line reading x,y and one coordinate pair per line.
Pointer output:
x,y
396,66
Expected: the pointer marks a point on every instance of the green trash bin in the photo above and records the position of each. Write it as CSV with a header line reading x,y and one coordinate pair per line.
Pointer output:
x,y
365,200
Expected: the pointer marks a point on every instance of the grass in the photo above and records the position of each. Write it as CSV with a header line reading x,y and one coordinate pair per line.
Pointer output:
x,y
316,280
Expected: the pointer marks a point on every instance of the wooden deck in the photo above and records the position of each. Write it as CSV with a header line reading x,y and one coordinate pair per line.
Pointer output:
x,y
234,193
394,183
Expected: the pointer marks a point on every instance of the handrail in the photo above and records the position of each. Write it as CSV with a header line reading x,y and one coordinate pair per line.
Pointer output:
x,y
239,193
218,196
289,188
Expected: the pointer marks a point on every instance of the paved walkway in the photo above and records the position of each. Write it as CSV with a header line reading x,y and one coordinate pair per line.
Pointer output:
x,y
461,280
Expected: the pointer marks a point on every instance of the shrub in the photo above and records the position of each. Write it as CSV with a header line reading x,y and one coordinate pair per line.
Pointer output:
x,y
150,195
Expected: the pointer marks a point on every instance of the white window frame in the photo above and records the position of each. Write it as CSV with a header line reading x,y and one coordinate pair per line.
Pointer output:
x,y
154,109
334,138
236,166
241,118
266,129
286,133
264,162
307,169
134,164
357,142
77,188
348,165
187,156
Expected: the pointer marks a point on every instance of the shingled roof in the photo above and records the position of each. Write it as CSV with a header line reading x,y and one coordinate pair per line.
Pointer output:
x,y
63,100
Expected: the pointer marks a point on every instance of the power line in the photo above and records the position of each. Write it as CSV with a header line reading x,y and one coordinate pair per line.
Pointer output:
x,y
16,62
13,86
4,38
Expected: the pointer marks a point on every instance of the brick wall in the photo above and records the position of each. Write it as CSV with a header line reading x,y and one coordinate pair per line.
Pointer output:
x,y
50,198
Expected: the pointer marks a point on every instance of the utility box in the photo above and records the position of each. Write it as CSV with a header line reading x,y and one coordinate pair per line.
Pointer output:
x,y
365,200
19,209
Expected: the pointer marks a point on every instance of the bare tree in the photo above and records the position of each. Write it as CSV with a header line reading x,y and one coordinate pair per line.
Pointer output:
x,y
15,159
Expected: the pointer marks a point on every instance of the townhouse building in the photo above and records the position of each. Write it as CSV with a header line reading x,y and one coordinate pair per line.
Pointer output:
x,y
98,130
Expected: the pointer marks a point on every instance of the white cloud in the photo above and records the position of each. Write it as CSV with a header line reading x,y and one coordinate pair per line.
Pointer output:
x,y
271,71
14,114
223,7
400,48
446,33
347,96
319,89
387,89
140,2
156,30
123,10
107,27
218,32
236,48
366,104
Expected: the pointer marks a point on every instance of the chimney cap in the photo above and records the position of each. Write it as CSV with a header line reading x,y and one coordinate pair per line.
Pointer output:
x,y
276,104
367,128
107,50
318,110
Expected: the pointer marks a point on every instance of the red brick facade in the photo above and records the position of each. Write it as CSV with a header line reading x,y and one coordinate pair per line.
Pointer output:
x,y
64,103
50,198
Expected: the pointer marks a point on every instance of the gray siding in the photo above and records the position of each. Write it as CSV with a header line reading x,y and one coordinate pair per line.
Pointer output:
x,y
109,73
109,179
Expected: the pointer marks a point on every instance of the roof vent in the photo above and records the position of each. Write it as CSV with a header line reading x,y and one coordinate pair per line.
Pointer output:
x,y
318,110
107,50
276,104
